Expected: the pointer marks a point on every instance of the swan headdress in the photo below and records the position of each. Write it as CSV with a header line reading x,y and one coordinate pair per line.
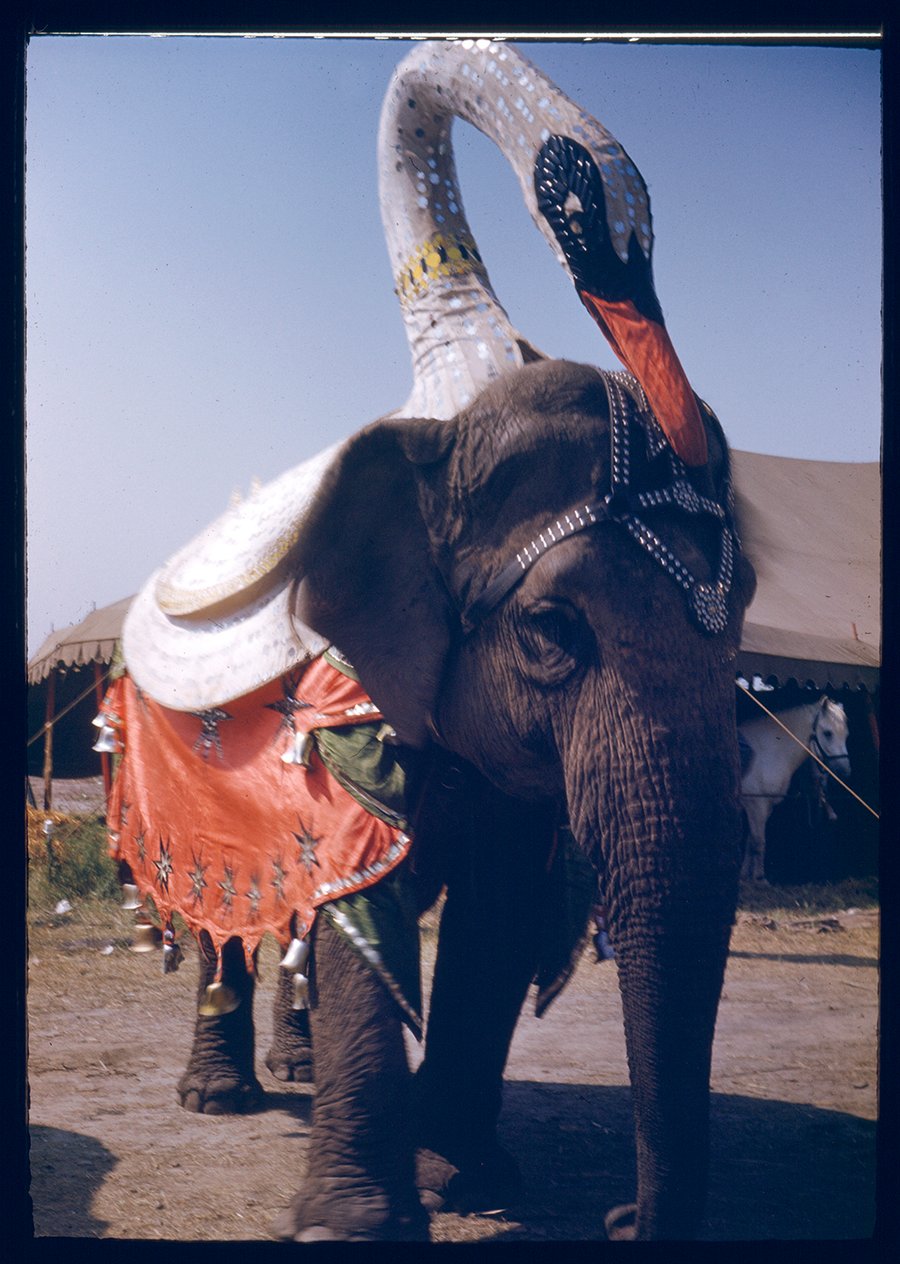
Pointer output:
x,y
215,622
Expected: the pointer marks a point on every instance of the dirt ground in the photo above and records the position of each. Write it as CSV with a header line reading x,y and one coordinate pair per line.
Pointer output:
x,y
793,1108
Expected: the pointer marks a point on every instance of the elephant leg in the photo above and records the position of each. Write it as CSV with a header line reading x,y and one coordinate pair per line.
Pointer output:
x,y
290,1056
359,1184
486,959
220,1077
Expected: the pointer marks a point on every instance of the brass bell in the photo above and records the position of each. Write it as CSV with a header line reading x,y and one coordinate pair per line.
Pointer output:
x,y
172,951
296,956
299,750
301,992
132,896
218,999
106,743
146,937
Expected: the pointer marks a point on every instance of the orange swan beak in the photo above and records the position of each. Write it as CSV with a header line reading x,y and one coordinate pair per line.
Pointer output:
x,y
617,290
646,350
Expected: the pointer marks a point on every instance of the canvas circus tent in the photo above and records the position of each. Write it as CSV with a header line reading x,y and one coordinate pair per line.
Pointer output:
x,y
813,531
65,679
93,640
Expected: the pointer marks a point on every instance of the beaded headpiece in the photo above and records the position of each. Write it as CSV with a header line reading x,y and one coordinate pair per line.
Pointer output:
x,y
628,412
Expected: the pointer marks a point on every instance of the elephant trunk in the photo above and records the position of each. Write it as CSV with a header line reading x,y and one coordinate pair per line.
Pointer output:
x,y
670,992
667,835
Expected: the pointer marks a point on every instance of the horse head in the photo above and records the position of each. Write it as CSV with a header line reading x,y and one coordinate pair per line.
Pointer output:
x,y
829,735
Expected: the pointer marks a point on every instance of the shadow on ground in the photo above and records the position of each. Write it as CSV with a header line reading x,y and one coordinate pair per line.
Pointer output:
x,y
779,1170
297,1104
67,1169
811,959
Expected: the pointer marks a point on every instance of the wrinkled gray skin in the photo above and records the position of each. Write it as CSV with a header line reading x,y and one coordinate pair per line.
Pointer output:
x,y
588,686
220,1078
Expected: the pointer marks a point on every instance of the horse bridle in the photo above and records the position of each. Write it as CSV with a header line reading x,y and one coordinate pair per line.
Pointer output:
x,y
816,746
707,602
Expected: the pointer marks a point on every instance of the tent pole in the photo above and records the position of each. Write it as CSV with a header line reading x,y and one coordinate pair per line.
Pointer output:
x,y
104,756
48,741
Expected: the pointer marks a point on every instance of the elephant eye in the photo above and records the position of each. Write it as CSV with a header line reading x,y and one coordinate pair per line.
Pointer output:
x,y
556,639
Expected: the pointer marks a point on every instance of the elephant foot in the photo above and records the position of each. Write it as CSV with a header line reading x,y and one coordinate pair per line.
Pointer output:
x,y
290,1058
317,1216
222,1093
292,1065
487,1185
621,1223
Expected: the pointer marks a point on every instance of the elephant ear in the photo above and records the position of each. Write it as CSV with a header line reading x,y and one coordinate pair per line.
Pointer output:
x,y
715,476
367,579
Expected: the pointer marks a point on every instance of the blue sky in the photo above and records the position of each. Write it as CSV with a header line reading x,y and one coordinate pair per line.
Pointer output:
x,y
209,298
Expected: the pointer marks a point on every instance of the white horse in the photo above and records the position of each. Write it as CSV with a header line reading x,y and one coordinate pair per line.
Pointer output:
x,y
770,757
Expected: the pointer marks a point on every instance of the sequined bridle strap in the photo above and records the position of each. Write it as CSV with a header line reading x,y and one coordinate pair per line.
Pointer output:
x,y
577,519
707,602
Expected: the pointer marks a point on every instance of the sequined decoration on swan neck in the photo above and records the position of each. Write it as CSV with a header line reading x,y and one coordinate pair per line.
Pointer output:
x,y
459,334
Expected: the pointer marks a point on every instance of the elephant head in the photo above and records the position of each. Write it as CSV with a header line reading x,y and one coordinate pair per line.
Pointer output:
x,y
587,674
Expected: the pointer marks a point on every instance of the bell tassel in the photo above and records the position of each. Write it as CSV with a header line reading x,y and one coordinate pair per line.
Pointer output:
x,y
299,751
132,896
296,956
107,743
147,937
301,992
172,951
218,999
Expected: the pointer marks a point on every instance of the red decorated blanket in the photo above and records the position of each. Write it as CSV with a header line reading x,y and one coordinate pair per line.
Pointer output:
x,y
230,817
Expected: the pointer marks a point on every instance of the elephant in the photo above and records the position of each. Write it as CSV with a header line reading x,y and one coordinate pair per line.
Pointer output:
x,y
580,686
534,571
